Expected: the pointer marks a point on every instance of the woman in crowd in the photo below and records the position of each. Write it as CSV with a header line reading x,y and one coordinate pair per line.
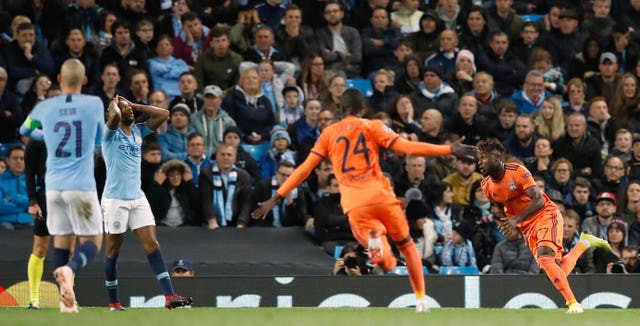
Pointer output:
x,y
402,116
550,120
576,92
102,39
250,109
443,211
331,97
604,261
465,71
165,70
624,104
410,79
313,78
629,203
476,32
36,93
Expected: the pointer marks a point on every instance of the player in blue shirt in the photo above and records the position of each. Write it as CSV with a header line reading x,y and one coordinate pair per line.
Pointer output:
x,y
72,126
123,202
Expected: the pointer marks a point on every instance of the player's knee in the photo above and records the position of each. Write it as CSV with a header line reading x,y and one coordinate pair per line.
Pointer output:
x,y
151,246
388,263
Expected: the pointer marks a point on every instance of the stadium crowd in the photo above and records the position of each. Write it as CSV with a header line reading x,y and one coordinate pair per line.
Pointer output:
x,y
250,85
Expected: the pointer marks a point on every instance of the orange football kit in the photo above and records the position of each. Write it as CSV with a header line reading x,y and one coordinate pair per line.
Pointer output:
x,y
352,145
543,228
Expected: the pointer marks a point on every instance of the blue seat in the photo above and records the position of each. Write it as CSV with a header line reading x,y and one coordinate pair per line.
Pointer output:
x,y
531,18
456,270
364,85
402,270
257,151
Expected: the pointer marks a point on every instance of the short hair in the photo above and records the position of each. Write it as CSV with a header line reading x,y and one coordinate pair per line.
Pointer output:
x,y
291,7
533,73
579,115
572,215
623,131
530,24
143,22
352,102
194,135
597,99
150,146
219,30
134,72
526,116
24,27
189,16
120,24
111,65
576,82
581,182
404,42
73,72
479,9
387,73
187,73
13,148
507,105
332,2
497,33
263,28
484,73
491,145
286,164
76,29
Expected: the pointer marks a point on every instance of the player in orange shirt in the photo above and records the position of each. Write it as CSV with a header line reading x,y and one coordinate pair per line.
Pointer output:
x,y
537,217
352,145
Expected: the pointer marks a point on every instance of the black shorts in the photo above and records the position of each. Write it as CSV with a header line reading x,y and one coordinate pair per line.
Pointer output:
x,y
40,224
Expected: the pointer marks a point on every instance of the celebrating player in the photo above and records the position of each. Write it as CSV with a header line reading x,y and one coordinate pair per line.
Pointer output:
x,y
123,202
530,210
353,145
71,128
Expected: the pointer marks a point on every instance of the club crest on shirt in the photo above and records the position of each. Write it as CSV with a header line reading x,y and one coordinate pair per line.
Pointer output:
x,y
138,139
512,186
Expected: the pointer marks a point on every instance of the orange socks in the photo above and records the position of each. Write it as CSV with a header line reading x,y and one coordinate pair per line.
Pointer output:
x,y
569,261
414,266
557,276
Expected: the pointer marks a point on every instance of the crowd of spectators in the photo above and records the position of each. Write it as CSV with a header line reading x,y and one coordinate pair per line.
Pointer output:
x,y
556,81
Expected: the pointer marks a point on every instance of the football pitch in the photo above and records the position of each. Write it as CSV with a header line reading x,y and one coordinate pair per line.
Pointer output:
x,y
319,316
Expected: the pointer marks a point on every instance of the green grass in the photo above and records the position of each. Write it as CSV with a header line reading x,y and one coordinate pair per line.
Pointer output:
x,y
318,316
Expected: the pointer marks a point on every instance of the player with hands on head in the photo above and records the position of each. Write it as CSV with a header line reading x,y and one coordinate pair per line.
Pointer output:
x,y
534,214
352,145
123,203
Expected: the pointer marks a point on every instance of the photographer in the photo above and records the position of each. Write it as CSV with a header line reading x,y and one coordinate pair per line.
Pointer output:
x,y
610,262
352,262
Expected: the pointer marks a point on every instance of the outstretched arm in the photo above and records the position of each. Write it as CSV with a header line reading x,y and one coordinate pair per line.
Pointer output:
x,y
157,115
299,175
425,149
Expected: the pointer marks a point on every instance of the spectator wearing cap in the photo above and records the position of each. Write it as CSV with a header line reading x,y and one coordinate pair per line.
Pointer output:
x,y
507,70
182,268
426,40
174,141
617,236
292,109
605,210
422,231
567,41
605,83
211,122
459,251
250,108
434,92
279,151
627,51
165,70
462,81
233,137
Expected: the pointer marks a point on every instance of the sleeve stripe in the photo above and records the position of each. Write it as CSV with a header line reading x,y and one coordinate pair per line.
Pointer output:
x,y
314,152
392,142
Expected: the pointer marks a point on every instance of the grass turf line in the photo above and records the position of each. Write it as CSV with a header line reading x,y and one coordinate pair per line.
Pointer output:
x,y
319,316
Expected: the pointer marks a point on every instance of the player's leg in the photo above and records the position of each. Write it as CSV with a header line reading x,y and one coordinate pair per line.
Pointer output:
x,y
362,221
116,216
397,227
85,217
143,225
586,241
35,267
114,243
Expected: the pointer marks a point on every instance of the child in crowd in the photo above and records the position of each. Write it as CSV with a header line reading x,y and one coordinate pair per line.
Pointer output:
x,y
279,151
384,93
553,78
292,108
459,251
